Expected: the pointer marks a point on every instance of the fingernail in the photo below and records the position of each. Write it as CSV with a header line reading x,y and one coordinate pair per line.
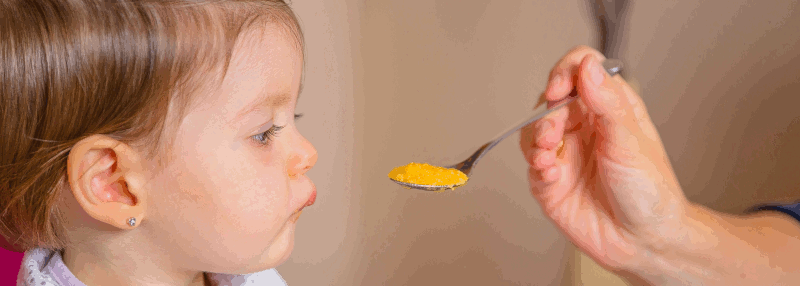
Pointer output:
x,y
597,72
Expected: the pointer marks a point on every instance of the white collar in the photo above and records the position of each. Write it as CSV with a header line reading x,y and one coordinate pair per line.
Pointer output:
x,y
44,267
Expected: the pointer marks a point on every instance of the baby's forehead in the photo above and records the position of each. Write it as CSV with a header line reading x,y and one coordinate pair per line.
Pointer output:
x,y
264,69
224,49
264,48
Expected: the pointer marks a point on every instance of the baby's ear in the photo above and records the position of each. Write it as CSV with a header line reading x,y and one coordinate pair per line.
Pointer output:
x,y
106,177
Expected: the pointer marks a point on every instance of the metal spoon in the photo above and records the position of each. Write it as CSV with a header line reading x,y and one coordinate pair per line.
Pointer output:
x,y
612,67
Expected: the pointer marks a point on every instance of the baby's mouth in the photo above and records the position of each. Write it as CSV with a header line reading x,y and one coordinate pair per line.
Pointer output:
x,y
310,201
296,215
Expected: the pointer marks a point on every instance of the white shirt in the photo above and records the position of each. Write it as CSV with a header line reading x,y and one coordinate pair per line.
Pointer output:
x,y
44,267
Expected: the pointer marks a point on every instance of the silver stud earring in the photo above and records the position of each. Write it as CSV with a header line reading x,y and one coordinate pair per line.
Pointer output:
x,y
132,221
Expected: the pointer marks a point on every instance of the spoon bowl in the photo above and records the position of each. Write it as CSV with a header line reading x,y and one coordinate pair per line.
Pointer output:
x,y
432,188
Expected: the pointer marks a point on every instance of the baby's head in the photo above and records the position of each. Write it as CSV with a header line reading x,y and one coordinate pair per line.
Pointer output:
x,y
177,114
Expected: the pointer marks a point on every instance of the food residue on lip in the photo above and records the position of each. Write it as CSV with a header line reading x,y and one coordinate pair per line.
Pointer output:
x,y
425,174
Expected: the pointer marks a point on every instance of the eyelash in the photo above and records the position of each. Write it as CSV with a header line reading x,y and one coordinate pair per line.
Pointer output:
x,y
264,138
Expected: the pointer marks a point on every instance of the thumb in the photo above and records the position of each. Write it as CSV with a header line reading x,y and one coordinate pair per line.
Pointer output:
x,y
606,99
602,95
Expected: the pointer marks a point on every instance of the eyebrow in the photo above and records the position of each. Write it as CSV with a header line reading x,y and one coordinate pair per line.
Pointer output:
x,y
271,100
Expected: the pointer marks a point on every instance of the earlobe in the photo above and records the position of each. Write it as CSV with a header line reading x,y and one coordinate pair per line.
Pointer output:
x,y
105,176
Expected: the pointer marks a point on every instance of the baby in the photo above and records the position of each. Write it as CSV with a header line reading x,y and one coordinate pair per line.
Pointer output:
x,y
151,142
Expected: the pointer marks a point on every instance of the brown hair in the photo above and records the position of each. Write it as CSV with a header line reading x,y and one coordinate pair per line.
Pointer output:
x,y
73,68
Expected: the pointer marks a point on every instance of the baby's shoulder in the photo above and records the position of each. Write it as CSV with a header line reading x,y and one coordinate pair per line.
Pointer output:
x,y
269,277
44,267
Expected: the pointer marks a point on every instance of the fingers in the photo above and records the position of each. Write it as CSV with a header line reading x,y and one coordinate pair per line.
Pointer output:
x,y
577,68
552,178
607,106
551,129
563,75
530,135
540,140
546,132
540,158
542,179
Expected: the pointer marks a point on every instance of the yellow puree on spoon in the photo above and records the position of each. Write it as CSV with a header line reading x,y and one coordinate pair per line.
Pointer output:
x,y
424,174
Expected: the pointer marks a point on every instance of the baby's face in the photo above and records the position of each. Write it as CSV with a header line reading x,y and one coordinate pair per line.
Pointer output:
x,y
229,200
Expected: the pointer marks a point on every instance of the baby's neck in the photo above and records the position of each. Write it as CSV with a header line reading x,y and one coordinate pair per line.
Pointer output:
x,y
116,269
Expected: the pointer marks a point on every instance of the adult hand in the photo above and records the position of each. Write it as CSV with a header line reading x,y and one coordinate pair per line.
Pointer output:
x,y
610,187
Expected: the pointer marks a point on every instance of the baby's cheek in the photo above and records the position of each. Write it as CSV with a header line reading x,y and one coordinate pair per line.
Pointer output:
x,y
259,207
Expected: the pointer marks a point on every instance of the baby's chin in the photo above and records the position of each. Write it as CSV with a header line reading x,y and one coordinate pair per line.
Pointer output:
x,y
276,253
283,245
280,249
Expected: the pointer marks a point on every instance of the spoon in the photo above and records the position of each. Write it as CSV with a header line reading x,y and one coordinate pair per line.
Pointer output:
x,y
612,67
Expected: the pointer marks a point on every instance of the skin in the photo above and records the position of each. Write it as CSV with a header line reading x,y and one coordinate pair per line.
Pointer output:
x,y
224,204
612,191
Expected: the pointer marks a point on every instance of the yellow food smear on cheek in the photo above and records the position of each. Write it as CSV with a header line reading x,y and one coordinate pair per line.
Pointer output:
x,y
425,174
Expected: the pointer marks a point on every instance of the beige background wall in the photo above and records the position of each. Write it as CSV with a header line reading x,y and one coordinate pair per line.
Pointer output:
x,y
390,82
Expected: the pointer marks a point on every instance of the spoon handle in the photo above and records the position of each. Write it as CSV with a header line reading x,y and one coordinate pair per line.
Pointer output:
x,y
612,67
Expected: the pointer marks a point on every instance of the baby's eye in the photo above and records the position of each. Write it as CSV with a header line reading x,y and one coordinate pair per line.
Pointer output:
x,y
266,137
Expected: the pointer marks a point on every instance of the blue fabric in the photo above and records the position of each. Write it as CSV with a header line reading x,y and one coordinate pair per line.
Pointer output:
x,y
789,209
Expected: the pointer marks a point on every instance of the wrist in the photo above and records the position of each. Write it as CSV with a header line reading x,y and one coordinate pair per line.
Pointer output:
x,y
714,248
686,256
667,255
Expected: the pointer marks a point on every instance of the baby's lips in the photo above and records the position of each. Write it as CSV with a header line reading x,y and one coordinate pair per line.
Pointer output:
x,y
311,199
